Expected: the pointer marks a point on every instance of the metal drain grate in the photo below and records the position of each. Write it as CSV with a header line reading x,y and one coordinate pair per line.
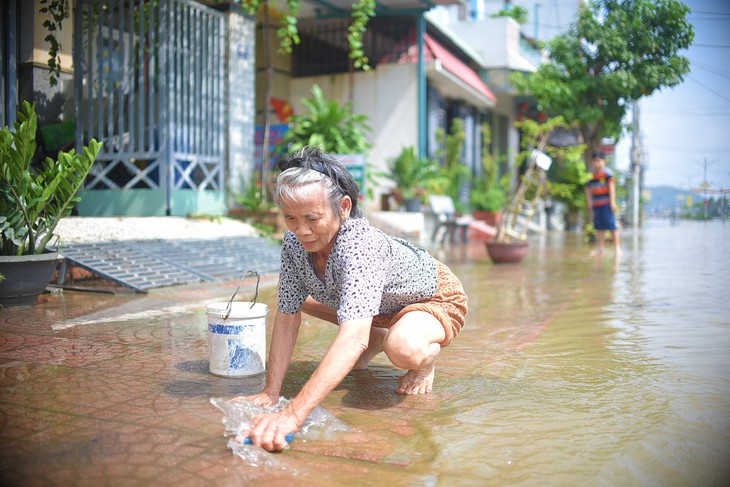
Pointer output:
x,y
147,264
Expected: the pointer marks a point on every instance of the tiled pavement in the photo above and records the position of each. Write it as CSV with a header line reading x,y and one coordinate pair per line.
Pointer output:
x,y
100,389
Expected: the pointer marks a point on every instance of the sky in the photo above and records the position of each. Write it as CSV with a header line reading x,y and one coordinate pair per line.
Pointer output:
x,y
684,129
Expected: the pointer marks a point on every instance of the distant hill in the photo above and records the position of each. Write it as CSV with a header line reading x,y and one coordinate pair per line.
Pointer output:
x,y
667,197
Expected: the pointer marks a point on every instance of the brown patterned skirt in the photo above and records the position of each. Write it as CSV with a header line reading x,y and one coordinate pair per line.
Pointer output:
x,y
448,305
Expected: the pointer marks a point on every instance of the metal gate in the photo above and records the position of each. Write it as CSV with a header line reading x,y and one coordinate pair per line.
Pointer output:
x,y
150,84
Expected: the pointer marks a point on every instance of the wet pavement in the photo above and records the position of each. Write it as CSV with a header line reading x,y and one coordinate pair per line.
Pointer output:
x,y
571,370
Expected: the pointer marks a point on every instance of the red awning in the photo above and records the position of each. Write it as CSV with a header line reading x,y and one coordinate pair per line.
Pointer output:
x,y
457,67
450,73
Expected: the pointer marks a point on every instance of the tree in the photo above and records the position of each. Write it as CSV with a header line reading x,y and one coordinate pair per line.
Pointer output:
x,y
616,52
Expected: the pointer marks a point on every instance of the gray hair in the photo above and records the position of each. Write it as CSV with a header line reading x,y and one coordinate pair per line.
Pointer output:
x,y
298,182
310,165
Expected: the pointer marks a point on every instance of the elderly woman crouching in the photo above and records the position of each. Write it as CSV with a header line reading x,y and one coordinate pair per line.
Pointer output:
x,y
386,294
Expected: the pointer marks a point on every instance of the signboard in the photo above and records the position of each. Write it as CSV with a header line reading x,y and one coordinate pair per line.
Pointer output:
x,y
355,163
276,135
542,160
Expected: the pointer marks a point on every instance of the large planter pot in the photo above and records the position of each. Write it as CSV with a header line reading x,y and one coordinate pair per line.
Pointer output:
x,y
507,252
26,276
413,205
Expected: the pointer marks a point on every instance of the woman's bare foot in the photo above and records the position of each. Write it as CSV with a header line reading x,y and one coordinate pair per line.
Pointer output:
x,y
417,381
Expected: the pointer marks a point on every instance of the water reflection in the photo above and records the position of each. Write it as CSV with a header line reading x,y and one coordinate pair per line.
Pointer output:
x,y
571,370
612,371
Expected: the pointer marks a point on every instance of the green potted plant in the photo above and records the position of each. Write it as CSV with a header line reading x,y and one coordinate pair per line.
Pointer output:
x,y
567,184
253,207
489,193
33,199
411,175
487,204
453,173
328,125
511,244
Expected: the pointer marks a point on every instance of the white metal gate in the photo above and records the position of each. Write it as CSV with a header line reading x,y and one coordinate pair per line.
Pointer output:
x,y
150,84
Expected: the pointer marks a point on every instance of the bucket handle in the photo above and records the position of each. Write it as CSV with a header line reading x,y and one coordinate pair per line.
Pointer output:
x,y
256,294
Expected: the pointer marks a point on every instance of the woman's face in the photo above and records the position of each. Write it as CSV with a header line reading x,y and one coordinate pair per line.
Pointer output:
x,y
311,219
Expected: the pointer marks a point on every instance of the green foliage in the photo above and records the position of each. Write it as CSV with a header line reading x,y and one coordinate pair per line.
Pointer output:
x,y
453,173
616,52
56,10
252,197
329,126
453,143
567,179
410,173
516,12
264,229
567,175
33,200
288,32
490,199
489,191
373,178
362,10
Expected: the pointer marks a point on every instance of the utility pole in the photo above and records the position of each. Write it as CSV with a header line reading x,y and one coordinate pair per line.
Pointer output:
x,y
635,167
706,186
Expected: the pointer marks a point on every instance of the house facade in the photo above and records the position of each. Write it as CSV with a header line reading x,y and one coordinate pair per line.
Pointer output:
x,y
175,88
166,85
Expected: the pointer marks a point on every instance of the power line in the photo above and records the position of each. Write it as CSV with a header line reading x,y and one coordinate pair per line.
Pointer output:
x,y
690,114
708,88
711,69
704,12
688,149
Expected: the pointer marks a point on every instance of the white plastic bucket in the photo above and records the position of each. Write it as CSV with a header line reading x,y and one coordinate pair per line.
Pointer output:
x,y
237,338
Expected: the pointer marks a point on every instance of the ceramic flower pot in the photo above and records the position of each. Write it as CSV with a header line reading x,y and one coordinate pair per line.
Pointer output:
x,y
26,277
507,252
491,217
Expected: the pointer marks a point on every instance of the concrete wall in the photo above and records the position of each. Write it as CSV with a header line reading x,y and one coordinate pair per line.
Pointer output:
x,y
387,96
281,72
239,141
54,103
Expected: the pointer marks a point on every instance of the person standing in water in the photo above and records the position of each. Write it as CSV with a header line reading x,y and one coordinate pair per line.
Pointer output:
x,y
601,196
385,294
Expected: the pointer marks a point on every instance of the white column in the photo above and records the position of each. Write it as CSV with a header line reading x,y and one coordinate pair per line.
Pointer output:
x,y
240,101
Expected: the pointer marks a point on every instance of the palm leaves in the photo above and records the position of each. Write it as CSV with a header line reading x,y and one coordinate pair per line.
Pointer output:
x,y
330,126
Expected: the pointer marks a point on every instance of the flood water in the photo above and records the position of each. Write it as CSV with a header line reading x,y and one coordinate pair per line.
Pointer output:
x,y
580,370
597,370
571,370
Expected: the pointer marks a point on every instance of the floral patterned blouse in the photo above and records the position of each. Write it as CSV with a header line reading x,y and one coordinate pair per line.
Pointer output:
x,y
367,273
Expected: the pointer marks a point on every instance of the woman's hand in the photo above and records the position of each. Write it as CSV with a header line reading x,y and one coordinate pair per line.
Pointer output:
x,y
261,399
269,431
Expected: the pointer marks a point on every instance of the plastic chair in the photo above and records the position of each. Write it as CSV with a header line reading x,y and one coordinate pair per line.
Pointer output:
x,y
444,212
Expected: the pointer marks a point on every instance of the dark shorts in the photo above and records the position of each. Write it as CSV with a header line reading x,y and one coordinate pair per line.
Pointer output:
x,y
603,218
